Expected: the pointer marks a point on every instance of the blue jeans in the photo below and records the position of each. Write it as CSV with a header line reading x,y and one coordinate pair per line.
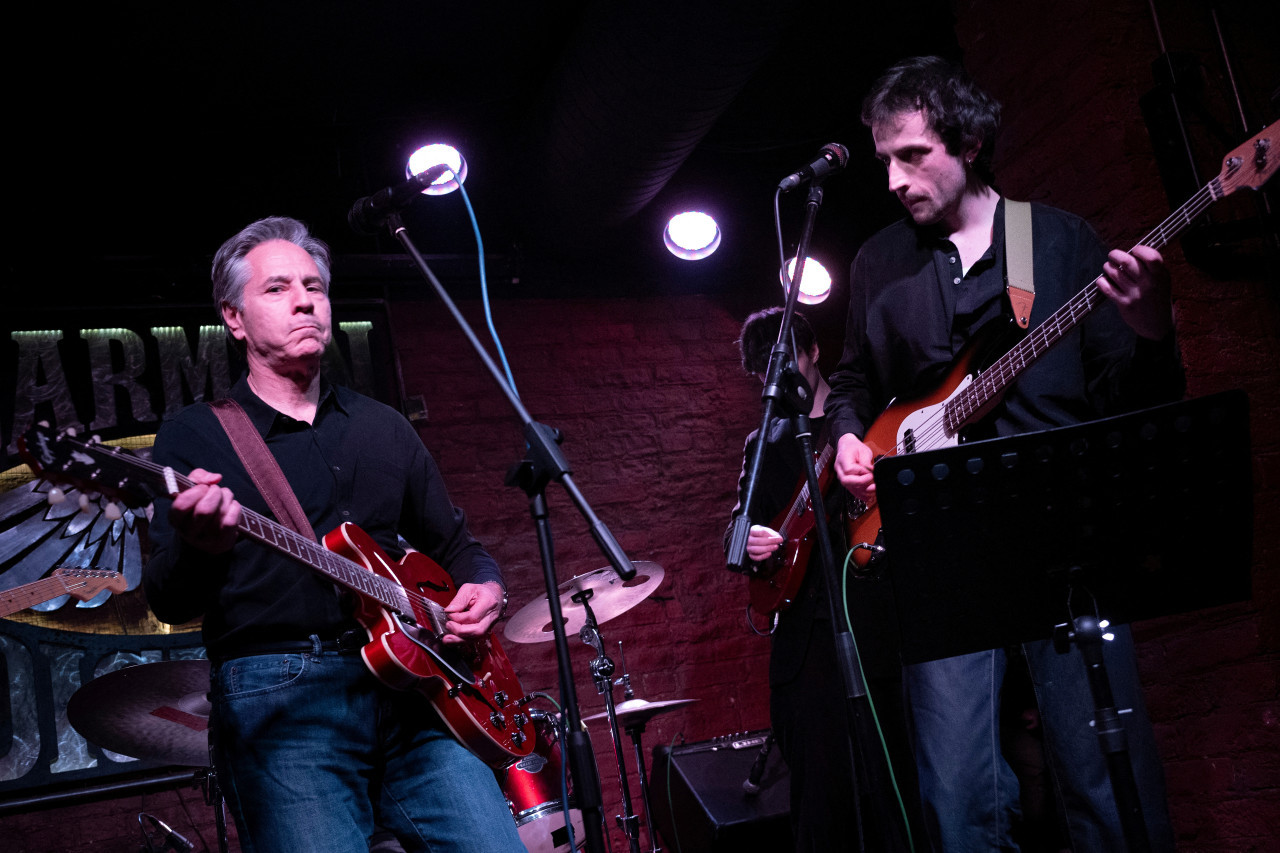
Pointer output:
x,y
313,752
970,793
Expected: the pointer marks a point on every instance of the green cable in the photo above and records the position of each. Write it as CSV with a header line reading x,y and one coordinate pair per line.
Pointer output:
x,y
893,778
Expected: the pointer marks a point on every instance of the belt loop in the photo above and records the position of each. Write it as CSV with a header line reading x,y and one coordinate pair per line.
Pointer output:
x,y
317,647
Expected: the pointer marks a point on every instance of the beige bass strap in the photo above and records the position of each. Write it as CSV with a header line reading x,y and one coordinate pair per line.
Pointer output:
x,y
1017,259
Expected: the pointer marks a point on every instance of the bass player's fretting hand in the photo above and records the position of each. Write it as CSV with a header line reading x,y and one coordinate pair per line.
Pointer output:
x,y
853,467
762,542
1139,285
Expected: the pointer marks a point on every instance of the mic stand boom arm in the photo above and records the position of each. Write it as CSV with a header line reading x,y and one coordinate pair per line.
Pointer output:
x,y
543,463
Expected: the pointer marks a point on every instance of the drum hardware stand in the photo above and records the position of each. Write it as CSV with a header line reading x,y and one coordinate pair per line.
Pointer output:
x,y
602,669
213,798
634,731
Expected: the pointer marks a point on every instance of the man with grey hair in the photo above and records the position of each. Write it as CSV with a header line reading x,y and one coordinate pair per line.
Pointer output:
x,y
313,751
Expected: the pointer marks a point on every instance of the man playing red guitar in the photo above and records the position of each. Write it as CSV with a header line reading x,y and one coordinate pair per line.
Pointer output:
x,y
919,291
312,750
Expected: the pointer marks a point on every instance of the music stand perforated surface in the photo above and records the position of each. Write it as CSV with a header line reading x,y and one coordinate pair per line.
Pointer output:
x,y
1154,508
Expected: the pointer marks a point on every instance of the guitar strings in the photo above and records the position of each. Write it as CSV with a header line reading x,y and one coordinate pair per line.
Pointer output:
x,y
301,544
941,425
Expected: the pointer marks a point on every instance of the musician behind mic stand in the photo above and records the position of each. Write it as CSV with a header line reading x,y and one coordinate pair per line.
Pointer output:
x,y
806,704
313,752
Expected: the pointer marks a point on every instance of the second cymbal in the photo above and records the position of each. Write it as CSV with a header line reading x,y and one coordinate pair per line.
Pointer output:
x,y
609,596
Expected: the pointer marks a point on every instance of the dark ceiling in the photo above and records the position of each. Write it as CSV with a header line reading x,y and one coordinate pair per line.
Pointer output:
x,y
148,133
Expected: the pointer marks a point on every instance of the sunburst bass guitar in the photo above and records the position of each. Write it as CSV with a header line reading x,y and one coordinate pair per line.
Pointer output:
x,y
935,420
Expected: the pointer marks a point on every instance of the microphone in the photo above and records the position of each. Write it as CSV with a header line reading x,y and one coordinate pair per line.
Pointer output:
x,y
751,785
370,213
832,158
172,839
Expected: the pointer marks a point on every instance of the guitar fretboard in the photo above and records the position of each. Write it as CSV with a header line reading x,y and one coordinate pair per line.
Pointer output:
x,y
339,569
996,379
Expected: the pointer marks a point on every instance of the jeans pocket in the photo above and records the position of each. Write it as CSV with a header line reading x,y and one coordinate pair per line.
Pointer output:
x,y
259,674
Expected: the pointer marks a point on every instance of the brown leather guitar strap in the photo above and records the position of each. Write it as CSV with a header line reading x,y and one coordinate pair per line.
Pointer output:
x,y
262,467
1017,260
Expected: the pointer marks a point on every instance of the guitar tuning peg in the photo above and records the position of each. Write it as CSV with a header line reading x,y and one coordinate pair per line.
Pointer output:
x,y
112,511
56,496
71,431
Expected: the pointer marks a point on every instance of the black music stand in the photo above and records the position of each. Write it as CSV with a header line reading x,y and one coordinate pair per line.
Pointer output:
x,y
1001,542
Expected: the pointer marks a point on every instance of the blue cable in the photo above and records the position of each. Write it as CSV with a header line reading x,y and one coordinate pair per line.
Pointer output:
x,y
484,290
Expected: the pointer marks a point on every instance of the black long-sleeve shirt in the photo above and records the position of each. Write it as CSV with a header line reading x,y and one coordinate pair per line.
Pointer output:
x,y
361,462
911,311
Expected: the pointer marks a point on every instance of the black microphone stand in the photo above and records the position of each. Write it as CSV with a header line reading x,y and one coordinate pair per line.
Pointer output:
x,y
786,390
542,464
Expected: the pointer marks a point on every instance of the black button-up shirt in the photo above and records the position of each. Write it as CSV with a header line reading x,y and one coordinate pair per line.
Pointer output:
x,y
360,461
912,311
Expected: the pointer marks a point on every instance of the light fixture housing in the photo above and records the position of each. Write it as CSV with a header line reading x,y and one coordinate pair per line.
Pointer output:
x,y
815,285
691,235
438,153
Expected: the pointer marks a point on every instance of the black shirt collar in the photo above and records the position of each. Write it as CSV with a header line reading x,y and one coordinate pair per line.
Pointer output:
x,y
263,416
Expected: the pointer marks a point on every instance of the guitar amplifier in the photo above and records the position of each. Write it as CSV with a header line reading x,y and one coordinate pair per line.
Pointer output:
x,y
699,805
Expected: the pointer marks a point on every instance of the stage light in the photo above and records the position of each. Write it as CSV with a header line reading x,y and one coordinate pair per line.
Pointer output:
x,y
691,235
430,155
815,286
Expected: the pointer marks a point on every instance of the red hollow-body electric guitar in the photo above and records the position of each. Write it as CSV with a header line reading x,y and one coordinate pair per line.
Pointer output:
x,y
400,604
935,420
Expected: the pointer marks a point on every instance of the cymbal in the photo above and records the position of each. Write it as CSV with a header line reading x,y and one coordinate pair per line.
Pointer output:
x,y
153,711
610,597
635,712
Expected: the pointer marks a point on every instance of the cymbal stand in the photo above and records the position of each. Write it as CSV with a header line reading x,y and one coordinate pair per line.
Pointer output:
x,y
213,797
634,731
602,670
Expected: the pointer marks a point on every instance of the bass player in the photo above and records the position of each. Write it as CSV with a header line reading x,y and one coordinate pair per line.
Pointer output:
x,y
919,292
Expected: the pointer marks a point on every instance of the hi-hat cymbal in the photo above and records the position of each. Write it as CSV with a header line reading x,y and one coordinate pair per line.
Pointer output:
x,y
154,711
610,596
634,712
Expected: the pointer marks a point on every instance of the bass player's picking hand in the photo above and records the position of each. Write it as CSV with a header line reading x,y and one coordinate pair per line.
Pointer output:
x,y
762,542
853,467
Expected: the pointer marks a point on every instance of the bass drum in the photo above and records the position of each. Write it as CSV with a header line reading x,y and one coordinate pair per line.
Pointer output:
x,y
532,788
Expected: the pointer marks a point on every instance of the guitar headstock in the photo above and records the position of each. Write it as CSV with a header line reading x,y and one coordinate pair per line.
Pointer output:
x,y
61,457
1252,164
84,584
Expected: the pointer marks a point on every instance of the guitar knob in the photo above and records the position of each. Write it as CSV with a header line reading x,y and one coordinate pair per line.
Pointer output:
x,y
500,699
499,721
517,737
519,721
